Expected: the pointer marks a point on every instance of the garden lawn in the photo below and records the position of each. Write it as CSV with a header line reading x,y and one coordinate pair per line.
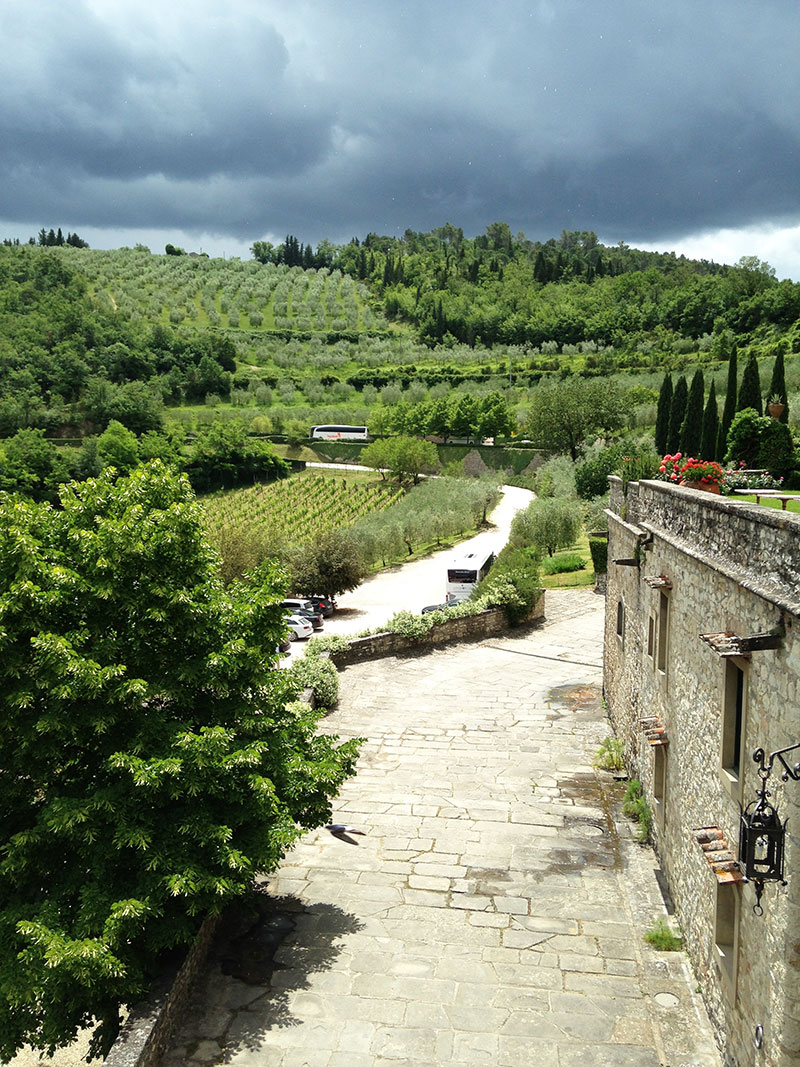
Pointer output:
x,y
767,502
572,579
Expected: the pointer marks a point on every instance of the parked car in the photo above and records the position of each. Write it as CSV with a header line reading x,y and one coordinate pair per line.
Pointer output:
x,y
324,605
451,600
305,608
300,629
284,645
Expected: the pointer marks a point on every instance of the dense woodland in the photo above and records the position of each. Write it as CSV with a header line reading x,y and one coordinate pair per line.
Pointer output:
x,y
426,334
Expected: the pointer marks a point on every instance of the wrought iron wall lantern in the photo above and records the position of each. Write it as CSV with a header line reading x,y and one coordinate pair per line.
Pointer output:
x,y
762,835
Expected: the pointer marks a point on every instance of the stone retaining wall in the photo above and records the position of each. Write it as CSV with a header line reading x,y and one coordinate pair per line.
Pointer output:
x,y
147,1030
468,628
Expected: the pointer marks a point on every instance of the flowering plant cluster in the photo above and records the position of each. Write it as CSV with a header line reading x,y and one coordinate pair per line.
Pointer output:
x,y
677,469
670,468
735,479
704,471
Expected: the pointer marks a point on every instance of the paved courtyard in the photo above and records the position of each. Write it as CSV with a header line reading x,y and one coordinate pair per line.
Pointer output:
x,y
492,909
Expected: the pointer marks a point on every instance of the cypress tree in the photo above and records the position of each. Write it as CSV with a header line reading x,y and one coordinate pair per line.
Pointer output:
x,y
777,385
677,412
662,414
692,425
750,389
729,410
708,443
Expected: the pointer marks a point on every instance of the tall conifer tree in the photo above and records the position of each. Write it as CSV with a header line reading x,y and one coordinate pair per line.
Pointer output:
x,y
677,412
692,425
662,414
729,410
750,389
708,442
777,385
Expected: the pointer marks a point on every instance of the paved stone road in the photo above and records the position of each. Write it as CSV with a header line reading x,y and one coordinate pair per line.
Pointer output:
x,y
494,910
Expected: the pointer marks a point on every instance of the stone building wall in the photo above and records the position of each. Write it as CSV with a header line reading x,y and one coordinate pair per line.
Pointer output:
x,y
731,567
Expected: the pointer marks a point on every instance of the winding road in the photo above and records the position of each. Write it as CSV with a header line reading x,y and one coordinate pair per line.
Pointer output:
x,y
411,586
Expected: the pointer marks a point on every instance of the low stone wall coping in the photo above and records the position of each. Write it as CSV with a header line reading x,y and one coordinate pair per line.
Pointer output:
x,y
467,628
146,1032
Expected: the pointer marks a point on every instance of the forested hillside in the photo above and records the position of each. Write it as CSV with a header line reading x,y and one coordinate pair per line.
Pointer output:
x,y
496,289
346,333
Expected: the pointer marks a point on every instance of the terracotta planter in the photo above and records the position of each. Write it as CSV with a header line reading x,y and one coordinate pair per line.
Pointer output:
x,y
708,487
776,410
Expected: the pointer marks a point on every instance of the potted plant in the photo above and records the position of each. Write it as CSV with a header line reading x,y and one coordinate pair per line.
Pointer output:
x,y
776,406
702,474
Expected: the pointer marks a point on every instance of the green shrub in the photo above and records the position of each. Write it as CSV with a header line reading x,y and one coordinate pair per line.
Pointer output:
x,y
329,643
563,564
776,448
513,582
635,806
319,674
408,624
598,546
609,757
591,477
744,437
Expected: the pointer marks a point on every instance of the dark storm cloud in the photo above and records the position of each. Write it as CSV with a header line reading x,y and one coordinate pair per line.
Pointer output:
x,y
330,120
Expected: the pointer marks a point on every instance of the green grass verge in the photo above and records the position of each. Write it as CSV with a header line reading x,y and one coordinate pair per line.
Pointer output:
x,y
573,579
767,502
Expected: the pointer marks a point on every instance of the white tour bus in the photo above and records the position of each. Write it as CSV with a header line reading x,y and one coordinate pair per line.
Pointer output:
x,y
464,573
339,433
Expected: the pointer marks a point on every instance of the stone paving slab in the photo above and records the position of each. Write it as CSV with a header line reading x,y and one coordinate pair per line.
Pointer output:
x,y
492,912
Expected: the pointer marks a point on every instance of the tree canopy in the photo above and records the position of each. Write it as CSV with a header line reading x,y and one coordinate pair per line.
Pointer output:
x,y
151,757
563,415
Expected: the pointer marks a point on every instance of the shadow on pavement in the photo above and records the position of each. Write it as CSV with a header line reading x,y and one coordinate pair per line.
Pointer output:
x,y
264,952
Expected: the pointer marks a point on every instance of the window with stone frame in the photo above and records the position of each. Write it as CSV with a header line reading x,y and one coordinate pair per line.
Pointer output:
x,y
651,636
659,782
726,933
734,714
662,651
621,621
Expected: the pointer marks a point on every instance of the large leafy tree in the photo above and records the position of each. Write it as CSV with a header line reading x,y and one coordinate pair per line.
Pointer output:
x,y
403,458
332,564
550,523
32,465
562,416
151,758
224,455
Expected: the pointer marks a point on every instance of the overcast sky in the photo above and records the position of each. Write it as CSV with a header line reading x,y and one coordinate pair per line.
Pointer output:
x,y
672,124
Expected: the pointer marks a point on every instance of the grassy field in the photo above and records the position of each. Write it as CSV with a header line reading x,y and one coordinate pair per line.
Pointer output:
x,y
572,579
